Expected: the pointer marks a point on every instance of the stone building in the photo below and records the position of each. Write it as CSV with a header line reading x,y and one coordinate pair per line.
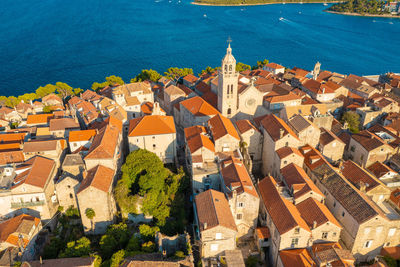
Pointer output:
x,y
307,131
105,149
366,227
331,146
253,137
172,95
215,224
95,192
366,148
284,156
195,111
277,134
223,133
242,196
316,113
154,133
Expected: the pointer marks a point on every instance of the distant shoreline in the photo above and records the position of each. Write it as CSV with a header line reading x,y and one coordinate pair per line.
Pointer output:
x,y
262,4
363,15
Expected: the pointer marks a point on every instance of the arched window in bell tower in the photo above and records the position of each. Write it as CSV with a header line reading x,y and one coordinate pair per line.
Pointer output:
x,y
230,67
229,111
227,90
226,67
231,88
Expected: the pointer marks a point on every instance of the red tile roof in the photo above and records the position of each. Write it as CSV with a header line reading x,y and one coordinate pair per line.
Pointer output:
x,y
38,173
213,210
9,229
312,211
296,257
99,177
379,169
83,135
39,118
357,175
283,213
151,125
221,126
198,141
199,107
283,152
104,143
244,126
273,125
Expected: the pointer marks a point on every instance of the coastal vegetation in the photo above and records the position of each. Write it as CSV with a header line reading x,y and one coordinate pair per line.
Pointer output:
x,y
353,121
373,7
254,2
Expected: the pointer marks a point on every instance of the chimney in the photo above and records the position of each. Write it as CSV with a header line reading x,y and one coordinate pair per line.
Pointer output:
x,y
205,226
281,132
314,225
156,109
362,186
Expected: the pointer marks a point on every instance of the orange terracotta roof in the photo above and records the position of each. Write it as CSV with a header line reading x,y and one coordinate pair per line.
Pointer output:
x,y
199,107
312,211
379,169
152,125
213,210
9,229
38,174
193,131
356,175
236,177
39,118
83,135
198,141
190,78
10,147
211,99
393,252
147,108
273,125
294,176
274,66
221,126
263,232
114,121
104,143
283,213
9,157
297,257
285,151
244,126
99,177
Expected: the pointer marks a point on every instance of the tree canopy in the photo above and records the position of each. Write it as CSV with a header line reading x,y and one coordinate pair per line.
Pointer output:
x,y
353,121
78,248
176,73
242,67
144,75
145,177
110,81
360,6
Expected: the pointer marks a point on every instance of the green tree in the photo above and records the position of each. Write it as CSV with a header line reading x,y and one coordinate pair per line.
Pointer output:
x,y
149,247
117,258
77,91
114,80
12,101
353,121
90,214
133,244
64,90
176,73
209,70
148,232
53,248
242,67
45,90
116,238
251,261
144,75
27,98
47,109
78,248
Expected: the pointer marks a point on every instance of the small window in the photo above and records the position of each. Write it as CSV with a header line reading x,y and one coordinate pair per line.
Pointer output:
x,y
353,148
285,162
368,244
297,230
154,137
334,204
239,216
334,234
37,199
287,144
240,204
325,235
343,214
137,140
218,236
295,242
387,244
71,196
392,231
367,230
154,146
69,186
214,247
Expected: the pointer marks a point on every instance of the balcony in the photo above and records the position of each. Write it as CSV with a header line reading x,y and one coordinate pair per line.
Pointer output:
x,y
17,205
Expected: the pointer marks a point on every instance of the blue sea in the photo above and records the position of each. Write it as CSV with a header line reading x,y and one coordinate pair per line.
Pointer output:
x,y
80,42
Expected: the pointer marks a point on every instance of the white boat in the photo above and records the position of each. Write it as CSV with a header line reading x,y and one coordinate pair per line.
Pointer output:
x,y
205,15
325,4
281,18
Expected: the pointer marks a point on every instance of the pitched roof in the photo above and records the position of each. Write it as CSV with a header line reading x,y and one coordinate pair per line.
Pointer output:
x,y
221,126
8,157
193,131
190,78
298,179
274,66
368,140
244,126
12,137
393,252
285,151
327,137
283,213
299,123
38,172
52,97
273,125
379,169
198,141
99,177
199,107
174,90
353,201
82,135
39,118
236,177
152,125
296,257
62,262
21,224
312,211
357,175
213,210
39,146
104,143
63,123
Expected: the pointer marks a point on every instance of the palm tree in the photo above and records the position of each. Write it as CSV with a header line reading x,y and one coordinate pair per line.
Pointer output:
x,y
90,214
243,146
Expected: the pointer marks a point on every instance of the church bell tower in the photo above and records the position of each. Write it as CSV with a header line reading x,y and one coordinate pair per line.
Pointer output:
x,y
228,85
